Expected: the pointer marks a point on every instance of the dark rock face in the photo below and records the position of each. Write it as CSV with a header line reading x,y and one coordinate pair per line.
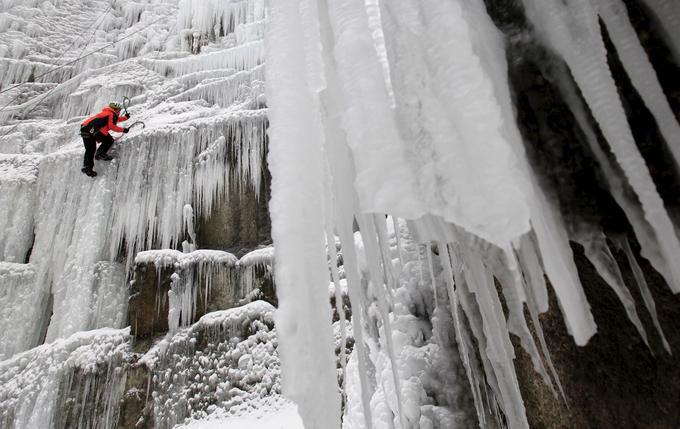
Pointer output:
x,y
148,305
615,380
240,220
136,410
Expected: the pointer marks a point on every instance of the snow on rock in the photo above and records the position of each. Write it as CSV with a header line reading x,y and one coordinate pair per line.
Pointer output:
x,y
37,385
226,364
274,414
253,270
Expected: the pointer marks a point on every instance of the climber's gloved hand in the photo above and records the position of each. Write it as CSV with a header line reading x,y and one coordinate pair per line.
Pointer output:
x,y
126,130
127,114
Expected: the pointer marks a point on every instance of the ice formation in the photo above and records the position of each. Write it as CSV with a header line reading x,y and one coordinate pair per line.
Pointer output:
x,y
225,361
377,108
392,107
85,367
194,145
194,73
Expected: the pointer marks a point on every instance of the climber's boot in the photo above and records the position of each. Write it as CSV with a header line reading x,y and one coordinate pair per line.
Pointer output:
x,y
89,171
103,157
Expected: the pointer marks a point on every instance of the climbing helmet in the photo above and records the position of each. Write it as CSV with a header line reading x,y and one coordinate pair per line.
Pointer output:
x,y
116,106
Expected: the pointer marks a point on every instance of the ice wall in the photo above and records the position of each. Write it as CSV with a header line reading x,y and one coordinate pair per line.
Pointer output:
x,y
193,71
406,109
85,367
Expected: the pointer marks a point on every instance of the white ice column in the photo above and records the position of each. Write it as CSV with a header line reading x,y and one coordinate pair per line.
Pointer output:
x,y
296,164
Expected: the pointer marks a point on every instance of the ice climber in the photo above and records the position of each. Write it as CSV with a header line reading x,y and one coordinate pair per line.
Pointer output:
x,y
96,129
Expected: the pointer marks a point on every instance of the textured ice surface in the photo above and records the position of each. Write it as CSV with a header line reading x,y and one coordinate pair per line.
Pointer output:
x,y
88,364
225,364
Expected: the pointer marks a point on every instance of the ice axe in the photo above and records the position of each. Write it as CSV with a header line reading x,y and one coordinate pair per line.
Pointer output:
x,y
133,125
126,104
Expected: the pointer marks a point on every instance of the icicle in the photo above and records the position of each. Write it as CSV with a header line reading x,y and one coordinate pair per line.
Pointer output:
x,y
646,236
303,318
533,272
378,274
573,30
464,346
644,291
431,269
499,349
551,237
189,227
507,271
193,275
242,57
598,253
455,97
252,268
640,70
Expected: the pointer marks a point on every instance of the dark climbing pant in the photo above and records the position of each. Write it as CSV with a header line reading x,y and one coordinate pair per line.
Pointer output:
x,y
90,142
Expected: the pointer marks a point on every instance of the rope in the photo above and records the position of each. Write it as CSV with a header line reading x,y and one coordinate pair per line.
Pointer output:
x,y
63,53
23,115
86,55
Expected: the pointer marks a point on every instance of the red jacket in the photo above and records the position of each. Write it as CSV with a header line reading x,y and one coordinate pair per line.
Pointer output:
x,y
104,121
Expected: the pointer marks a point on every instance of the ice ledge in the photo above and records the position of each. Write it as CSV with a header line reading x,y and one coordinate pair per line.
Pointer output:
x,y
169,258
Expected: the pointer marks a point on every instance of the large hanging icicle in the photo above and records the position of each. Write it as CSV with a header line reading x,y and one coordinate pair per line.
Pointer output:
x,y
572,29
640,70
446,106
303,318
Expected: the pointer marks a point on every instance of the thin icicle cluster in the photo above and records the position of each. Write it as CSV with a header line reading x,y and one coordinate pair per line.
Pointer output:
x,y
85,368
194,276
252,269
218,18
392,107
431,387
225,361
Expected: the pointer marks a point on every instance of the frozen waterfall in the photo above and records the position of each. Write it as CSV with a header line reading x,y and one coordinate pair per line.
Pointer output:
x,y
405,109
